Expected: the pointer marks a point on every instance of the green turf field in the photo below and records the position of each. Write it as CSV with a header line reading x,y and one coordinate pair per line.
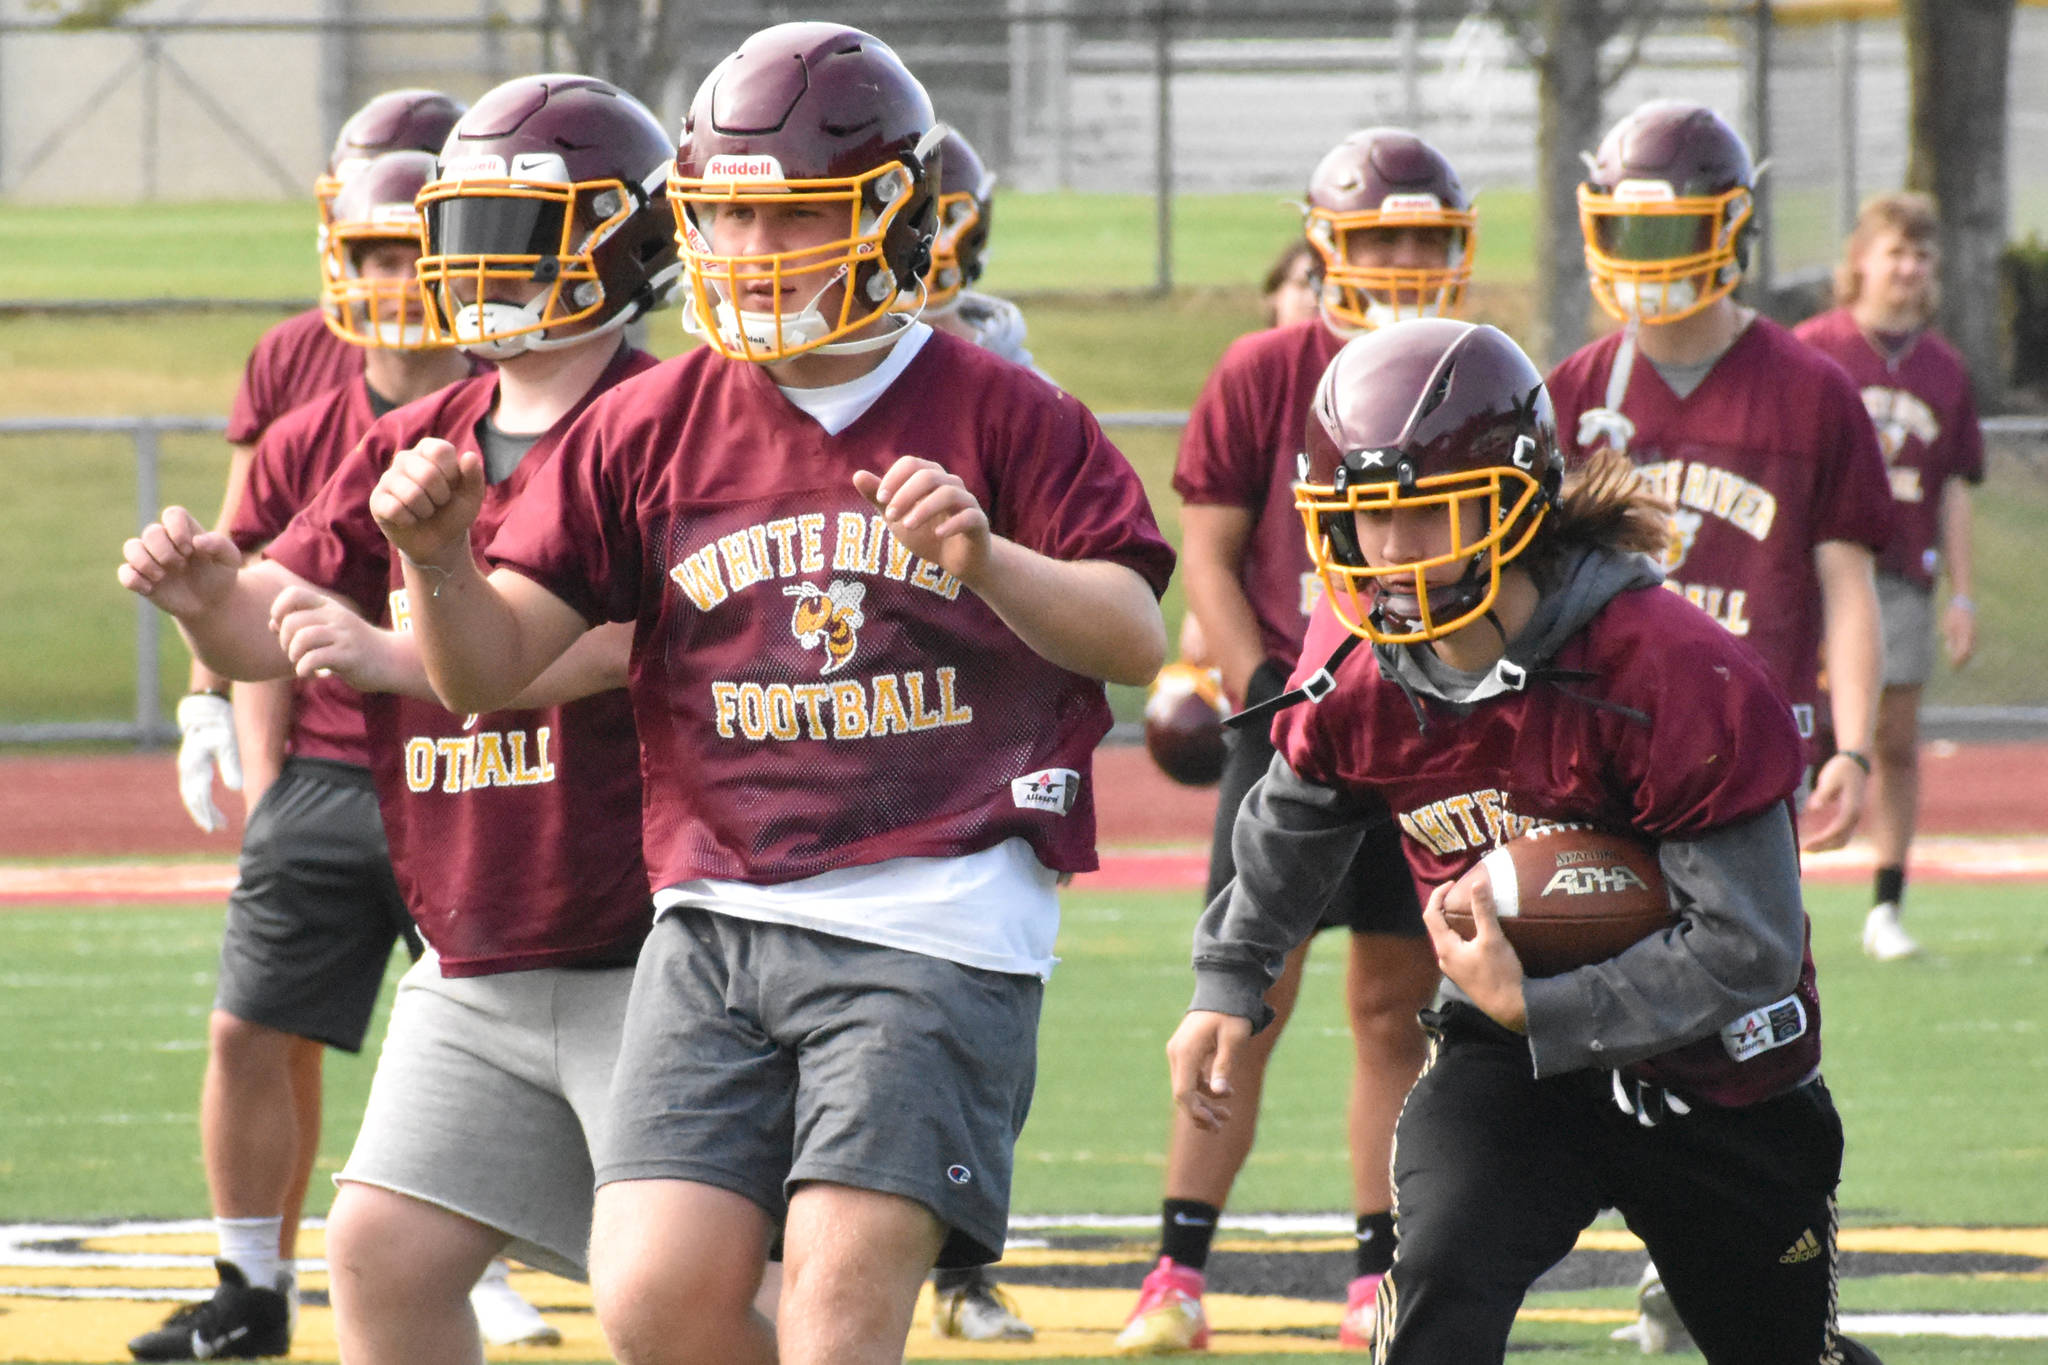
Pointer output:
x,y
67,632
1937,1065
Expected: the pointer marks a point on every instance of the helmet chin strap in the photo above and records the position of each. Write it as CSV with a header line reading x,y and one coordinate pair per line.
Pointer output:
x,y
745,332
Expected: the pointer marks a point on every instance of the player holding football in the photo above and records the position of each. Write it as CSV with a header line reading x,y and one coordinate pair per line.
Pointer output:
x,y
515,830
1394,233
876,576
1918,393
1523,671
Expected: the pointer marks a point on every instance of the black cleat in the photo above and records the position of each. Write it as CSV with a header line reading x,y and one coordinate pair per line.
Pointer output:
x,y
240,1322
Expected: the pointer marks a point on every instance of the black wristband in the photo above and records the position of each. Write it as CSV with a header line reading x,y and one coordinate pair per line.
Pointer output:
x,y
1856,756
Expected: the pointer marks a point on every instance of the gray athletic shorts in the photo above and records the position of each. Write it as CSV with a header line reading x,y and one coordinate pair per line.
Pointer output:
x,y
314,911
759,1056
489,1098
1907,610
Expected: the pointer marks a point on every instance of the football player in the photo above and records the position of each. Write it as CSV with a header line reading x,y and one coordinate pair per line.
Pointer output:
x,y
966,213
857,817
1761,445
514,831
1918,393
293,363
1392,231
1523,670
315,910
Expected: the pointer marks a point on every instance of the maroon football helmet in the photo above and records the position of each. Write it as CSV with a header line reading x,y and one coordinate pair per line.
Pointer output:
x,y
1667,210
966,190
1184,712
376,205
550,181
395,121
1426,413
818,114
1377,180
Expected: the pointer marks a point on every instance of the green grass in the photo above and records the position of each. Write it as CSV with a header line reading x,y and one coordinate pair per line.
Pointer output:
x,y
1936,1063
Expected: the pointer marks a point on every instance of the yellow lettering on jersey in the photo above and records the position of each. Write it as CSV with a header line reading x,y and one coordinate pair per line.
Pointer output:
x,y
850,543
932,578
920,719
698,577
1662,477
782,532
746,557
1426,826
725,705
813,697
1747,506
1906,484
899,559
781,711
490,761
401,611
810,534
543,769
1729,607
1493,812
1899,416
455,753
878,540
888,716
1462,806
849,710
753,712
951,712
419,764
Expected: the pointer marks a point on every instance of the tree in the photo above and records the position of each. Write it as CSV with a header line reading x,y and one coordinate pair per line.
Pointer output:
x,y
1958,55
1563,41
637,45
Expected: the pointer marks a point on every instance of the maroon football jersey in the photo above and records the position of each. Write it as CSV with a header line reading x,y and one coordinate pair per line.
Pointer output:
x,y
810,694
293,363
1927,429
1771,455
515,835
1671,730
295,455
1239,450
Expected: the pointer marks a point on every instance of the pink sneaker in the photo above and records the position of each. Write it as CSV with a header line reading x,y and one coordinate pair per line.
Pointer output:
x,y
1169,1316
1361,1313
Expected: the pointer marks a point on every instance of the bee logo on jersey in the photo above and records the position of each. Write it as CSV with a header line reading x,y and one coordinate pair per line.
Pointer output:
x,y
1053,790
831,617
1685,528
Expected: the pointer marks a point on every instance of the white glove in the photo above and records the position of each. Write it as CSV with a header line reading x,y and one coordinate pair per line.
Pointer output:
x,y
207,722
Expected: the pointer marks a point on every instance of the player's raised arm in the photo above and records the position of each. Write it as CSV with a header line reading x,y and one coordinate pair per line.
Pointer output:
x,y
1093,617
222,608
483,640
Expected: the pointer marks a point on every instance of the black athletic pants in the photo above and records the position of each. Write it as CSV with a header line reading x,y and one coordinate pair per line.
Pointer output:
x,y
1496,1173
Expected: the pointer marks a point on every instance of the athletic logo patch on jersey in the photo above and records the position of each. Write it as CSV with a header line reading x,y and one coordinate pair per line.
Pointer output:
x,y
831,617
1764,1030
1053,790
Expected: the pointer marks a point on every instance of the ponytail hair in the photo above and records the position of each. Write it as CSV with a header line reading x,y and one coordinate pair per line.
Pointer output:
x,y
1606,503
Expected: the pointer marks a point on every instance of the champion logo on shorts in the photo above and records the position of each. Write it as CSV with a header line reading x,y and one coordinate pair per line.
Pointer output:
x,y
959,1174
1052,790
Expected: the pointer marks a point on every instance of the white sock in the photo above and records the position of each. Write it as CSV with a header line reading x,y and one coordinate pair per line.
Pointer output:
x,y
250,1245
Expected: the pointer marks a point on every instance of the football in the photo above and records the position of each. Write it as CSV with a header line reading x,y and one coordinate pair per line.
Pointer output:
x,y
1568,896
1184,714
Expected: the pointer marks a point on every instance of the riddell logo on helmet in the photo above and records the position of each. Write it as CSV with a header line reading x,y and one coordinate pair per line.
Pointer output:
x,y
1645,191
475,166
1411,203
729,167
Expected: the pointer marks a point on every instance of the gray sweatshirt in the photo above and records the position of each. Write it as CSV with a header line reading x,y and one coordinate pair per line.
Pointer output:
x,y
1738,948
